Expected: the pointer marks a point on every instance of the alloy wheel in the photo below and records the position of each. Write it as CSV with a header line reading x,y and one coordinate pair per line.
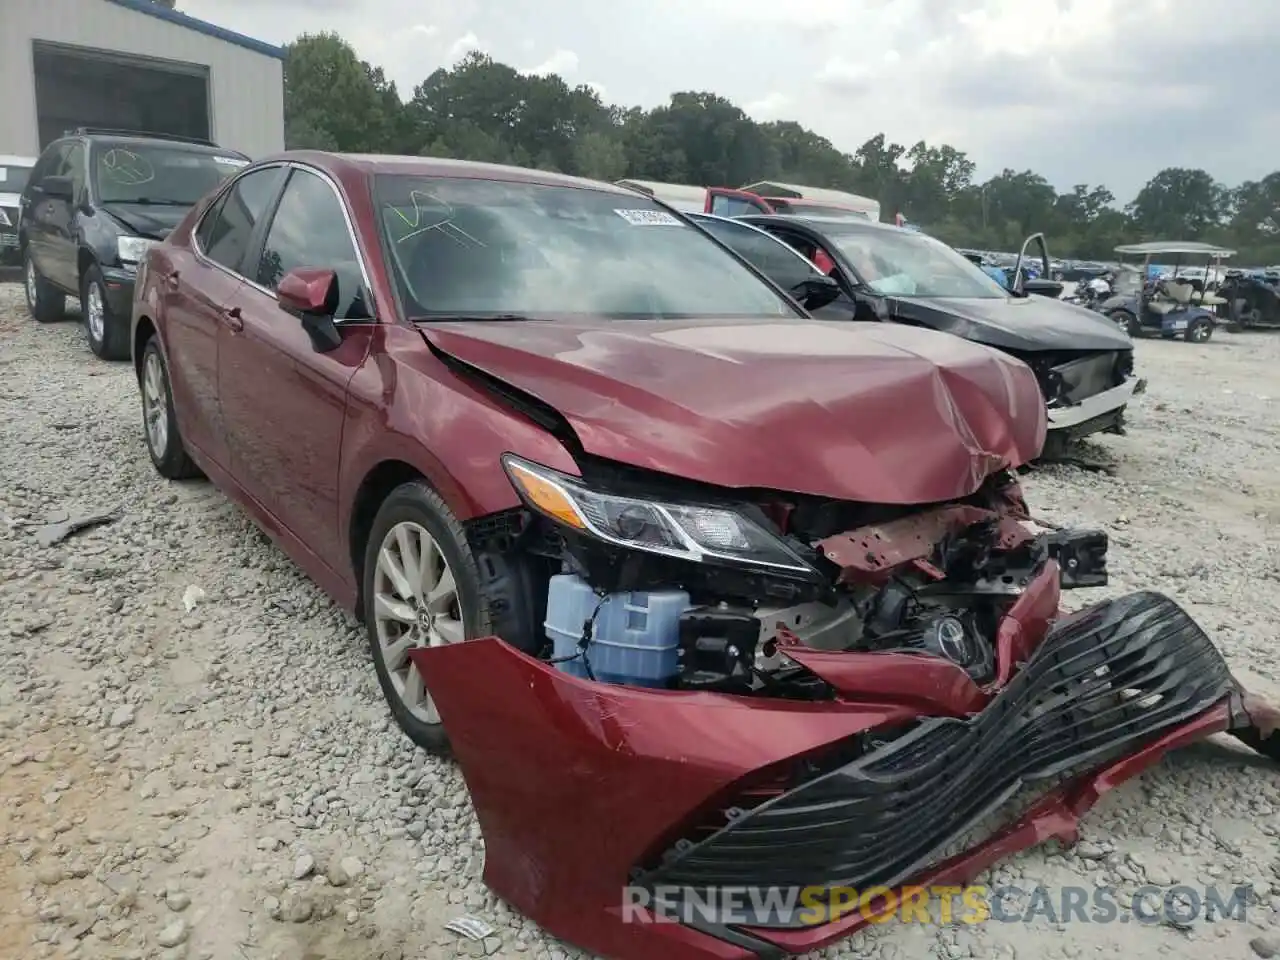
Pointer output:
x,y
155,405
95,312
415,604
32,281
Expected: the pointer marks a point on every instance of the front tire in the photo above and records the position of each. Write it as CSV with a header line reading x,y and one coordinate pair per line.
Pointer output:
x,y
422,587
1126,321
45,302
106,331
1199,331
159,423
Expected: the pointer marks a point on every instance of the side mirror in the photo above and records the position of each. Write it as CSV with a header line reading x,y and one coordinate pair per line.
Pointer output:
x,y
1043,288
58,188
816,292
311,295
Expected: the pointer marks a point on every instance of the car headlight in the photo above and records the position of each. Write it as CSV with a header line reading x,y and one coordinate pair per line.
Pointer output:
x,y
133,249
684,531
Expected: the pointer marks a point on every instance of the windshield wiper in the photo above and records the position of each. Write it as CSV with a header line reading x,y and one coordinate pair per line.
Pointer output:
x,y
480,318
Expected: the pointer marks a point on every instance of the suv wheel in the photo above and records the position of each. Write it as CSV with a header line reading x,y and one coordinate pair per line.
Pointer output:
x,y
105,330
46,303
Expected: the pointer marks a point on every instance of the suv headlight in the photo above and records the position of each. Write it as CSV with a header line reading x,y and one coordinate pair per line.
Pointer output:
x,y
684,531
133,249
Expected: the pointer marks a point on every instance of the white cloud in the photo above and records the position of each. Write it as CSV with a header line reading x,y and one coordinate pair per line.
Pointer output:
x,y
462,46
772,106
1080,90
562,62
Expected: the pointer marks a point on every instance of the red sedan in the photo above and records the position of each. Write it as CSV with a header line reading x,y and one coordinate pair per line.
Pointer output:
x,y
751,601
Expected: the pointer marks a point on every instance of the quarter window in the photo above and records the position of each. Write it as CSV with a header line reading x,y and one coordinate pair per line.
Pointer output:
x,y
227,229
310,230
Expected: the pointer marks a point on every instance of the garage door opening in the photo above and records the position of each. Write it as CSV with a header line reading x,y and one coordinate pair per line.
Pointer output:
x,y
81,87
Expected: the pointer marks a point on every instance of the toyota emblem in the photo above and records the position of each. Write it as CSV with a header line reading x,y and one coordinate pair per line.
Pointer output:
x,y
953,640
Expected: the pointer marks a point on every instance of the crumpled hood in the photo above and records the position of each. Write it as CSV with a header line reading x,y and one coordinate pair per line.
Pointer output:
x,y
869,412
156,222
1015,323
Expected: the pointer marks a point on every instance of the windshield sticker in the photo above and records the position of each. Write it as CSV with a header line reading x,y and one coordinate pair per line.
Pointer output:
x,y
648,218
126,167
4,174
231,161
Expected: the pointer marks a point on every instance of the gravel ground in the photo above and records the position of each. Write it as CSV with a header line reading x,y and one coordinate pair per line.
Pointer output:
x,y
195,759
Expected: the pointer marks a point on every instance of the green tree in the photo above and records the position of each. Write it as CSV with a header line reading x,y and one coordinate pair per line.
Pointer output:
x,y
481,109
330,98
1178,204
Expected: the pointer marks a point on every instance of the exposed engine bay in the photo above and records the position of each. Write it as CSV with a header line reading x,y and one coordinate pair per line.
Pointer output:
x,y
625,577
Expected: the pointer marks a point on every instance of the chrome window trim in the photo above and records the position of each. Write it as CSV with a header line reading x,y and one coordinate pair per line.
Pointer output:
x,y
346,216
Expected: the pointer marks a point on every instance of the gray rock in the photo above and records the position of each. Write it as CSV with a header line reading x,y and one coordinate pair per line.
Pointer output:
x,y
304,866
173,934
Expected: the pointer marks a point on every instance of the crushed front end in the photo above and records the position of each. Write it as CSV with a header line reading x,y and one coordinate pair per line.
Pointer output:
x,y
1086,392
775,693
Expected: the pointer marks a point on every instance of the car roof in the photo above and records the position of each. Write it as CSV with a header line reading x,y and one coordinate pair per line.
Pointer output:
x,y
818,223
1175,246
340,164
126,139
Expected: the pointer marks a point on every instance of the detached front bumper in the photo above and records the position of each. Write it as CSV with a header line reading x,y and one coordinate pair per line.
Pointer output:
x,y
1097,414
584,789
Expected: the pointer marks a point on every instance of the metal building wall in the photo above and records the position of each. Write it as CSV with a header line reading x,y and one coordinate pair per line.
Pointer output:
x,y
246,88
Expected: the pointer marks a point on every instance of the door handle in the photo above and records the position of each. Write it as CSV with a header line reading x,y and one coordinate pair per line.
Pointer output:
x,y
171,279
231,317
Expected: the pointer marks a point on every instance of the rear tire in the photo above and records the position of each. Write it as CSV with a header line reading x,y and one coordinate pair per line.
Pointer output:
x,y
159,424
45,302
106,331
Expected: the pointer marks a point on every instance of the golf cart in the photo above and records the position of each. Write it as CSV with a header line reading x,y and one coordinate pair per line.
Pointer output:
x,y
1169,305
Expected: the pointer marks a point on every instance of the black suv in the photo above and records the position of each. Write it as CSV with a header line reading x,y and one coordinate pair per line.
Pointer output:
x,y
95,201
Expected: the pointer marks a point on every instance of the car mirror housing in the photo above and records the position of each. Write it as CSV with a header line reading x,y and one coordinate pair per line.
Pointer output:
x,y
816,292
311,295
58,188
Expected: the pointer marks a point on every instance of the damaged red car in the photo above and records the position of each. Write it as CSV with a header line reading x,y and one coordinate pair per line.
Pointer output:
x,y
701,593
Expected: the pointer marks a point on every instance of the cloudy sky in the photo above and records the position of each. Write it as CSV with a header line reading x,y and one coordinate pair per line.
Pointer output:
x,y
1090,91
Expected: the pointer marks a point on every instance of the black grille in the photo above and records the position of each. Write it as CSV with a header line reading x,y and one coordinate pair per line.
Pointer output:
x,y
1103,683
1088,376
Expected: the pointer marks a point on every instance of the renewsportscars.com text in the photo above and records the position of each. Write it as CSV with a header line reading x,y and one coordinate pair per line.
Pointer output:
x,y
815,906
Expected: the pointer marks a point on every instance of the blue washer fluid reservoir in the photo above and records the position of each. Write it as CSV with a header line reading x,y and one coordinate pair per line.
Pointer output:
x,y
635,639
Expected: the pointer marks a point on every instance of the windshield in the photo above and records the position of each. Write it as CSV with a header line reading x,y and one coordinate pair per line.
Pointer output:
x,y
899,263
13,179
161,174
1128,280
481,248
